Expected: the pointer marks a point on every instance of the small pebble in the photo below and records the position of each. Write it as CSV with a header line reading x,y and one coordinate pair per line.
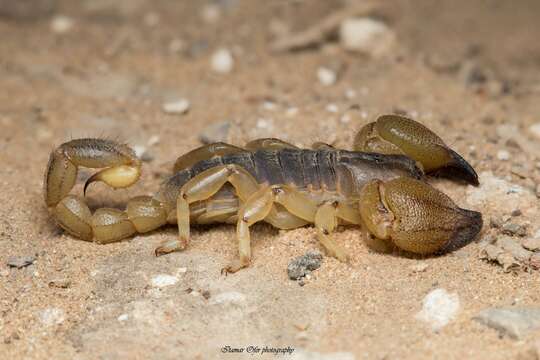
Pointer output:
x,y
496,222
503,155
332,108
438,308
154,140
211,13
534,261
215,133
61,24
535,129
532,244
511,246
142,153
229,297
177,46
123,317
164,280
326,76
222,61
269,105
366,35
419,267
516,212
350,94
180,106
299,267
52,316
20,261
513,322
293,111
514,229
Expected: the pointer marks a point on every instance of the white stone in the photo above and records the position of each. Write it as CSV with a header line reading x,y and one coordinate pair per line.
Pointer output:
x,y
269,105
535,129
139,150
367,36
52,316
154,140
211,13
61,24
222,61
332,108
123,317
180,106
345,119
291,112
264,123
229,297
503,155
350,94
326,76
439,308
163,280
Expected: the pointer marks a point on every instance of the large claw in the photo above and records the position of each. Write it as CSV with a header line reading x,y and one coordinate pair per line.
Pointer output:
x,y
394,134
416,217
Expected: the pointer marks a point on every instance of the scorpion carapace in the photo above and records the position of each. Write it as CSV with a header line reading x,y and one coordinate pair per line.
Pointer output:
x,y
382,190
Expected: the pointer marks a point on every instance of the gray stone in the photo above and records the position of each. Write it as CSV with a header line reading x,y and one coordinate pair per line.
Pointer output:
x,y
303,265
513,247
514,229
20,261
513,322
532,244
215,133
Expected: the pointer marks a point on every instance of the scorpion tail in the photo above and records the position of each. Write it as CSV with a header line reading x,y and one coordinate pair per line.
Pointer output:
x,y
121,168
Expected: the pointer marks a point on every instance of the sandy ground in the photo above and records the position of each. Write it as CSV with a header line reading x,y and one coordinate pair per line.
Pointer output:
x,y
468,70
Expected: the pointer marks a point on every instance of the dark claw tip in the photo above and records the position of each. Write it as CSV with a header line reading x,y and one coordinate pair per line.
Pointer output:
x,y
469,228
459,169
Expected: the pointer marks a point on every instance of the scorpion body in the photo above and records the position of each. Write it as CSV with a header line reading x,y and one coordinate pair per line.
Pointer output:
x,y
380,188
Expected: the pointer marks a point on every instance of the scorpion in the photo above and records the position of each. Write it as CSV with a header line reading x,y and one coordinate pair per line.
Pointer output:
x,y
380,186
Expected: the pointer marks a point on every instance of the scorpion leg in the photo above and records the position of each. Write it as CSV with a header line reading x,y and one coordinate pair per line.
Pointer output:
x,y
324,216
202,187
416,217
269,143
393,134
204,153
280,218
256,208
325,223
